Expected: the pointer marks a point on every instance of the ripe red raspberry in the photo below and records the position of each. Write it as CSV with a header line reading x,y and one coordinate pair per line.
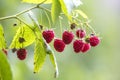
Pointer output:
x,y
48,35
21,54
5,51
80,33
77,45
86,47
59,45
94,41
67,37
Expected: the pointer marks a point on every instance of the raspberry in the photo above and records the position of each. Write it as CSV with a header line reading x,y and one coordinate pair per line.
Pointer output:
x,y
21,54
86,47
5,51
59,45
77,45
94,41
80,33
67,37
48,35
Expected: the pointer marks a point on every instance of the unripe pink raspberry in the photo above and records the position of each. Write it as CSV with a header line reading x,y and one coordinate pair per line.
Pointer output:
x,y
67,37
77,45
59,45
94,41
48,35
80,33
21,54
86,47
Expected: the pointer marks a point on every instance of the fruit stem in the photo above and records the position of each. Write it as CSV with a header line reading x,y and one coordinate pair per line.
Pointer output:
x,y
50,25
44,8
81,24
60,25
85,23
90,27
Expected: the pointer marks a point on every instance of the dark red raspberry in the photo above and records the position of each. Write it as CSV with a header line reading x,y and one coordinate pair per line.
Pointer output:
x,y
80,33
67,37
94,41
59,45
86,47
77,45
21,54
5,51
48,35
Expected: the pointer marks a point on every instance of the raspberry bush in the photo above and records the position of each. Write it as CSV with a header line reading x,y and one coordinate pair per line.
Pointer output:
x,y
79,34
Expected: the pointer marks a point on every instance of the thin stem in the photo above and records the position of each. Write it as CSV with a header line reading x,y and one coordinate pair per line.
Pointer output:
x,y
22,12
90,27
60,26
87,25
41,17
19,19
36,6
7,17
48,19
44,8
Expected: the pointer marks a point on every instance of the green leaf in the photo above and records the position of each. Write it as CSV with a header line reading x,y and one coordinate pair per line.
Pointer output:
x,y
64,9
53,60
37,1
39,55
5,70
56,9
26,34
80,12
2,39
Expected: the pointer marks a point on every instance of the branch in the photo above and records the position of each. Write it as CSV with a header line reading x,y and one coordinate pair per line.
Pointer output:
x,y
22,12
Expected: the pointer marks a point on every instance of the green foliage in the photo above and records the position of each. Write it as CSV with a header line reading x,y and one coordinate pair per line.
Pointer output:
x,y
37,1
5,71
56,9
39,55
64,9
2,39
26,33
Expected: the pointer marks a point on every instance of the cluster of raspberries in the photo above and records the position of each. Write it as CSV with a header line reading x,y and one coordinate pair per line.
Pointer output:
x,y
81,44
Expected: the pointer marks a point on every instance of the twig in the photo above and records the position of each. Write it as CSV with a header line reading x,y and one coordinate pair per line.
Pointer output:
x,y
22,12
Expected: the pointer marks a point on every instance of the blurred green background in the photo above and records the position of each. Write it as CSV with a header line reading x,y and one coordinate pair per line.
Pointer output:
x,y
100,63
